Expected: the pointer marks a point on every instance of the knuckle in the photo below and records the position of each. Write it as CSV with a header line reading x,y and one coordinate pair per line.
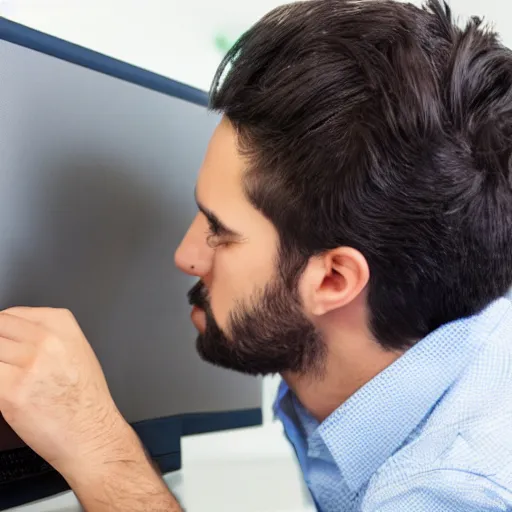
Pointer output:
x,y
50,343
49,312
66,313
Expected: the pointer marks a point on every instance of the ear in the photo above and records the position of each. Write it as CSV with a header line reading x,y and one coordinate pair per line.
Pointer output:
x,y
333,280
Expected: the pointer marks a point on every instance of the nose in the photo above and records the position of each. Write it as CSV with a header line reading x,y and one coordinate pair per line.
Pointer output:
x,y
194,256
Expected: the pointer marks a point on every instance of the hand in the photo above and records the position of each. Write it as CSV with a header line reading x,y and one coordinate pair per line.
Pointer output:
x,y
54,395
52,390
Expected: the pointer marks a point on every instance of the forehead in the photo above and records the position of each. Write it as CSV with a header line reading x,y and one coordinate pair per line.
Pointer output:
x,y
220,188
220,176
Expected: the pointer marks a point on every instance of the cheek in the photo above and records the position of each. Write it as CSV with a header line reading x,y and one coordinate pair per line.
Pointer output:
x,y
237,274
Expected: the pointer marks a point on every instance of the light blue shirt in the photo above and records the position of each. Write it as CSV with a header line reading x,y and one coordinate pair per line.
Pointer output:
x,y
432,432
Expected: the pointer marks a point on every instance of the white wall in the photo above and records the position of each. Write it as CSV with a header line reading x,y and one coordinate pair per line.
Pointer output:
x,y
175,38
498,13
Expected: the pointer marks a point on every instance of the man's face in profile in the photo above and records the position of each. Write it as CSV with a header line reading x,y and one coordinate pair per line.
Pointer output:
x,y
248,320
268,335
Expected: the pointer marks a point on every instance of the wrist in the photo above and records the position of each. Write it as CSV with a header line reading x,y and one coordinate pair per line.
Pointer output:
x,y
116,443
119,477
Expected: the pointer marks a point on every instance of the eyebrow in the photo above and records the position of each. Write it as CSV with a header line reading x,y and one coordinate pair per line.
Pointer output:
x,y
219,226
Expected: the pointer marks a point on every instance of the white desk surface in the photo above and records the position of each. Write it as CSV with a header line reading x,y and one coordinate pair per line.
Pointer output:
x,y
249,470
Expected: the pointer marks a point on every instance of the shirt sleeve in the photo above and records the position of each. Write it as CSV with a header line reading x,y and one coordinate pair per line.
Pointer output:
x,y
440,490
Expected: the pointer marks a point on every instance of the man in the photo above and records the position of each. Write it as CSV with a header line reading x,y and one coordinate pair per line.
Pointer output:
x,y
357,205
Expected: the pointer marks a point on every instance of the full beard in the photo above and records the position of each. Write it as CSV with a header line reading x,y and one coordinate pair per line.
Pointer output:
x,y
269,335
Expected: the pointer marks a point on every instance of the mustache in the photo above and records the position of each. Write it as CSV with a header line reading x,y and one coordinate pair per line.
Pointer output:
x,y
197,295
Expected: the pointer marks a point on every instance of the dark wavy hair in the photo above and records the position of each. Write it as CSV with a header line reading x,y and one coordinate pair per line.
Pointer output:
x,y
387,128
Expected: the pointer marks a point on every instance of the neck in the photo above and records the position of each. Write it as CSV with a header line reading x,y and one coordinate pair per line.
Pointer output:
x,y
353,359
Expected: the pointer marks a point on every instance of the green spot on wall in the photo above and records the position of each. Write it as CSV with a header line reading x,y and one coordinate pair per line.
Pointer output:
x,y
223,43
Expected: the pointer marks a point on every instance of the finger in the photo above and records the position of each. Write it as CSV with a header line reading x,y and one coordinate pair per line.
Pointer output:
x,y
9,375
20,329
15,353
35,314
47,317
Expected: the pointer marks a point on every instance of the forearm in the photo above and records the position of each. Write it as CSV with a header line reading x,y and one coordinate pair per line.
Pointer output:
x,y
121,480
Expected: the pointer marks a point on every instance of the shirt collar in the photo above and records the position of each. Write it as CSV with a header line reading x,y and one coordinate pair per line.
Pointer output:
x,y
374,422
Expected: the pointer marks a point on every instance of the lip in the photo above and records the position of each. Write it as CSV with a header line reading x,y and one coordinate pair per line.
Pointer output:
x,y
198,317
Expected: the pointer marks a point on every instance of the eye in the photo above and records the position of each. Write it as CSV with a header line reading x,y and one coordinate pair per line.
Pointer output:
x,y
214,236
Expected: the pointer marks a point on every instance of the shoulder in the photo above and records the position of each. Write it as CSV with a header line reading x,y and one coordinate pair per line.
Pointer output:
x,y
478,405
460,458
449,490
466,467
